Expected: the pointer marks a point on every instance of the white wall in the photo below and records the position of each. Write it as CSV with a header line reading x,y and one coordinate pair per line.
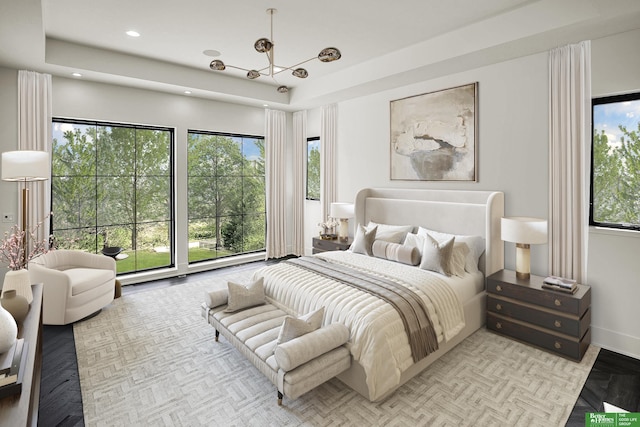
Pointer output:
x,y
8,142
613,270
512,141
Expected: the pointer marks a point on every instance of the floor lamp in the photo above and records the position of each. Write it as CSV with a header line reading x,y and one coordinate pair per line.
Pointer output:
x,y
25,166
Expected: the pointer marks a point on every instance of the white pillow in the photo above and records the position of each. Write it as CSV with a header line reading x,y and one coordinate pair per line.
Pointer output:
x,y
293,327
437,256
476,246
363,241
459,259
390,233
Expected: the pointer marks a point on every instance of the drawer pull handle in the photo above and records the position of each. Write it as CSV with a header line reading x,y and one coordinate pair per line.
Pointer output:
x,y
558,324
498,307
498,325
499,288
558,345
557,302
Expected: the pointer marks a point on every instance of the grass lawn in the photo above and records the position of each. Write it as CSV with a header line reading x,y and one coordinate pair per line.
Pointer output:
x,y
150,259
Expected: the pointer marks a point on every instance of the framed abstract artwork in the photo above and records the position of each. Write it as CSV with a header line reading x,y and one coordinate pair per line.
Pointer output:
x,y
434,135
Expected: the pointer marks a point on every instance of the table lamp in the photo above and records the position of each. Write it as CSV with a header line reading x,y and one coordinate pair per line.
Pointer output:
x,y
524,231
342,212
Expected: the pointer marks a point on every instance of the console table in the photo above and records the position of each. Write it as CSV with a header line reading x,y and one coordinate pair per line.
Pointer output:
x,y
22,410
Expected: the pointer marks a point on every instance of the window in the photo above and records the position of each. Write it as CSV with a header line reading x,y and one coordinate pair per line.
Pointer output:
x,y
112,186
313,168
226,195
615,170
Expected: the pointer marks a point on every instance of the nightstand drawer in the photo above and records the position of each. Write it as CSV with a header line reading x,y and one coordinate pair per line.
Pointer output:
x,y
557,343
565,303
321,245
549,319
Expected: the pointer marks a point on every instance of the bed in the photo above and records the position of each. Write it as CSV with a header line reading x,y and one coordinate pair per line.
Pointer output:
x,y
384,357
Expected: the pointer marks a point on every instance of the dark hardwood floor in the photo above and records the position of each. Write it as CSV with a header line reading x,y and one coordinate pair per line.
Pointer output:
x,y
614,378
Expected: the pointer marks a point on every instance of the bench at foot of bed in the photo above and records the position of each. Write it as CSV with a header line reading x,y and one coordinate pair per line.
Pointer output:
x,y
294,367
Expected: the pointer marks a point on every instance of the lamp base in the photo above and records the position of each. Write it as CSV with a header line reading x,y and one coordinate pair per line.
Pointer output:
x,y
523,261
343,231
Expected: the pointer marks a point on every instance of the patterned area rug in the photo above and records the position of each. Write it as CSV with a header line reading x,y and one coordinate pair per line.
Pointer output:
x,y
150,359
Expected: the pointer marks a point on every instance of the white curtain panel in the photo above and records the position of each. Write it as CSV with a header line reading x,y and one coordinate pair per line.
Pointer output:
x,y
328,141
34,133
275,170
299,179
569,159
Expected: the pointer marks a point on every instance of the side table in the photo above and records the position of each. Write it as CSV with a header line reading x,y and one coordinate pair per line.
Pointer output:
x,y
552,320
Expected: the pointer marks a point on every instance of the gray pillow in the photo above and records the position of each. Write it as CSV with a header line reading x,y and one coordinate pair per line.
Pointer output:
x,y
241,296
436,256
363,242
293,327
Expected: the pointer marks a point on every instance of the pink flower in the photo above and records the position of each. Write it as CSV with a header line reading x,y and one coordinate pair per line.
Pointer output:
x,y
12,248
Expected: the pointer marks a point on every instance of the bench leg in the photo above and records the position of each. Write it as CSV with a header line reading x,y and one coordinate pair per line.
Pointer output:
x,y
217,335
279,399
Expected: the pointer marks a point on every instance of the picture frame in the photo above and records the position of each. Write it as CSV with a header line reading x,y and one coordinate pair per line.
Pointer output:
x,y
433,136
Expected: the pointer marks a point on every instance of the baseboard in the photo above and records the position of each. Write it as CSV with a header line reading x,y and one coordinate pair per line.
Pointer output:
x,y
615,341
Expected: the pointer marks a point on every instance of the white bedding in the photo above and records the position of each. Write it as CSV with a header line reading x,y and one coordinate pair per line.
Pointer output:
x,y
378,341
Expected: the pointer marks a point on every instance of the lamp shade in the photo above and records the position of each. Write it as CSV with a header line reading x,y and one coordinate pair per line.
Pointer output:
x,y
342,210
520,229
25,165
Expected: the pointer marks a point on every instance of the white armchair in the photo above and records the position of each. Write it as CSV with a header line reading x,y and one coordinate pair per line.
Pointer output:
x,y
75,284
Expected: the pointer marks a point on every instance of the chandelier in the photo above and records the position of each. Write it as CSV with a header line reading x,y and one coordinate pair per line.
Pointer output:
x,y
267,46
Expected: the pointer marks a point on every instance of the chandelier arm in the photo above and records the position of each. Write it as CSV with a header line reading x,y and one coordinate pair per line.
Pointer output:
x,y
292,67
237,68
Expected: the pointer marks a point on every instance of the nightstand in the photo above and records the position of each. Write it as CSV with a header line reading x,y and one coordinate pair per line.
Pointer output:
x,y
321,245
552,320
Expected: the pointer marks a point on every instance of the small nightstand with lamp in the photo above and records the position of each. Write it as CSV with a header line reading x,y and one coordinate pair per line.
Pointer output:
x,y
342,212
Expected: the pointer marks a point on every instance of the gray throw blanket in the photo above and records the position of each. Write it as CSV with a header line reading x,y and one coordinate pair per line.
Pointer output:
x,y
410,307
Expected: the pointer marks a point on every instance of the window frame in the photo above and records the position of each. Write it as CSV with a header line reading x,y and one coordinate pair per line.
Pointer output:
x,y
312,139
188,176
595,102
171,232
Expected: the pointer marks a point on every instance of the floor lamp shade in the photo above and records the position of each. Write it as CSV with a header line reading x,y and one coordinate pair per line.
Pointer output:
x,y
25,166
342,212
524,231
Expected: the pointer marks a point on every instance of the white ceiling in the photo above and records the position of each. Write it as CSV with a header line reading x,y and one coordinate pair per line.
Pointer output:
x,y
384,44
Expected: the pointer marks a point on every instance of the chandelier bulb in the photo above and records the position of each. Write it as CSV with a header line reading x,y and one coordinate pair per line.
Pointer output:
x,y
329,54
300,73
217,65
263,45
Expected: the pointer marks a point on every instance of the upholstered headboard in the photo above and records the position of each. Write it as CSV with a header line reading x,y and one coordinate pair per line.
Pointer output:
x,y
453,211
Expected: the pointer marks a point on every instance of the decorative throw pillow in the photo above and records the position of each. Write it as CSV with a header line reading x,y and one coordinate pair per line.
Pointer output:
x,y
241,296
294,327
390,233
363,242
414,241
436,256
476,246
396,252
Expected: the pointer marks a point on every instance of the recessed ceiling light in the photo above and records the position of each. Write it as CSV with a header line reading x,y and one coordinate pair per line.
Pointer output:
x,y
211,52
132,33
76,74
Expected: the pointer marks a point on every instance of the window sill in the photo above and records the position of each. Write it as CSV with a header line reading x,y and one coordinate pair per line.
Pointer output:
x,y
618,232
